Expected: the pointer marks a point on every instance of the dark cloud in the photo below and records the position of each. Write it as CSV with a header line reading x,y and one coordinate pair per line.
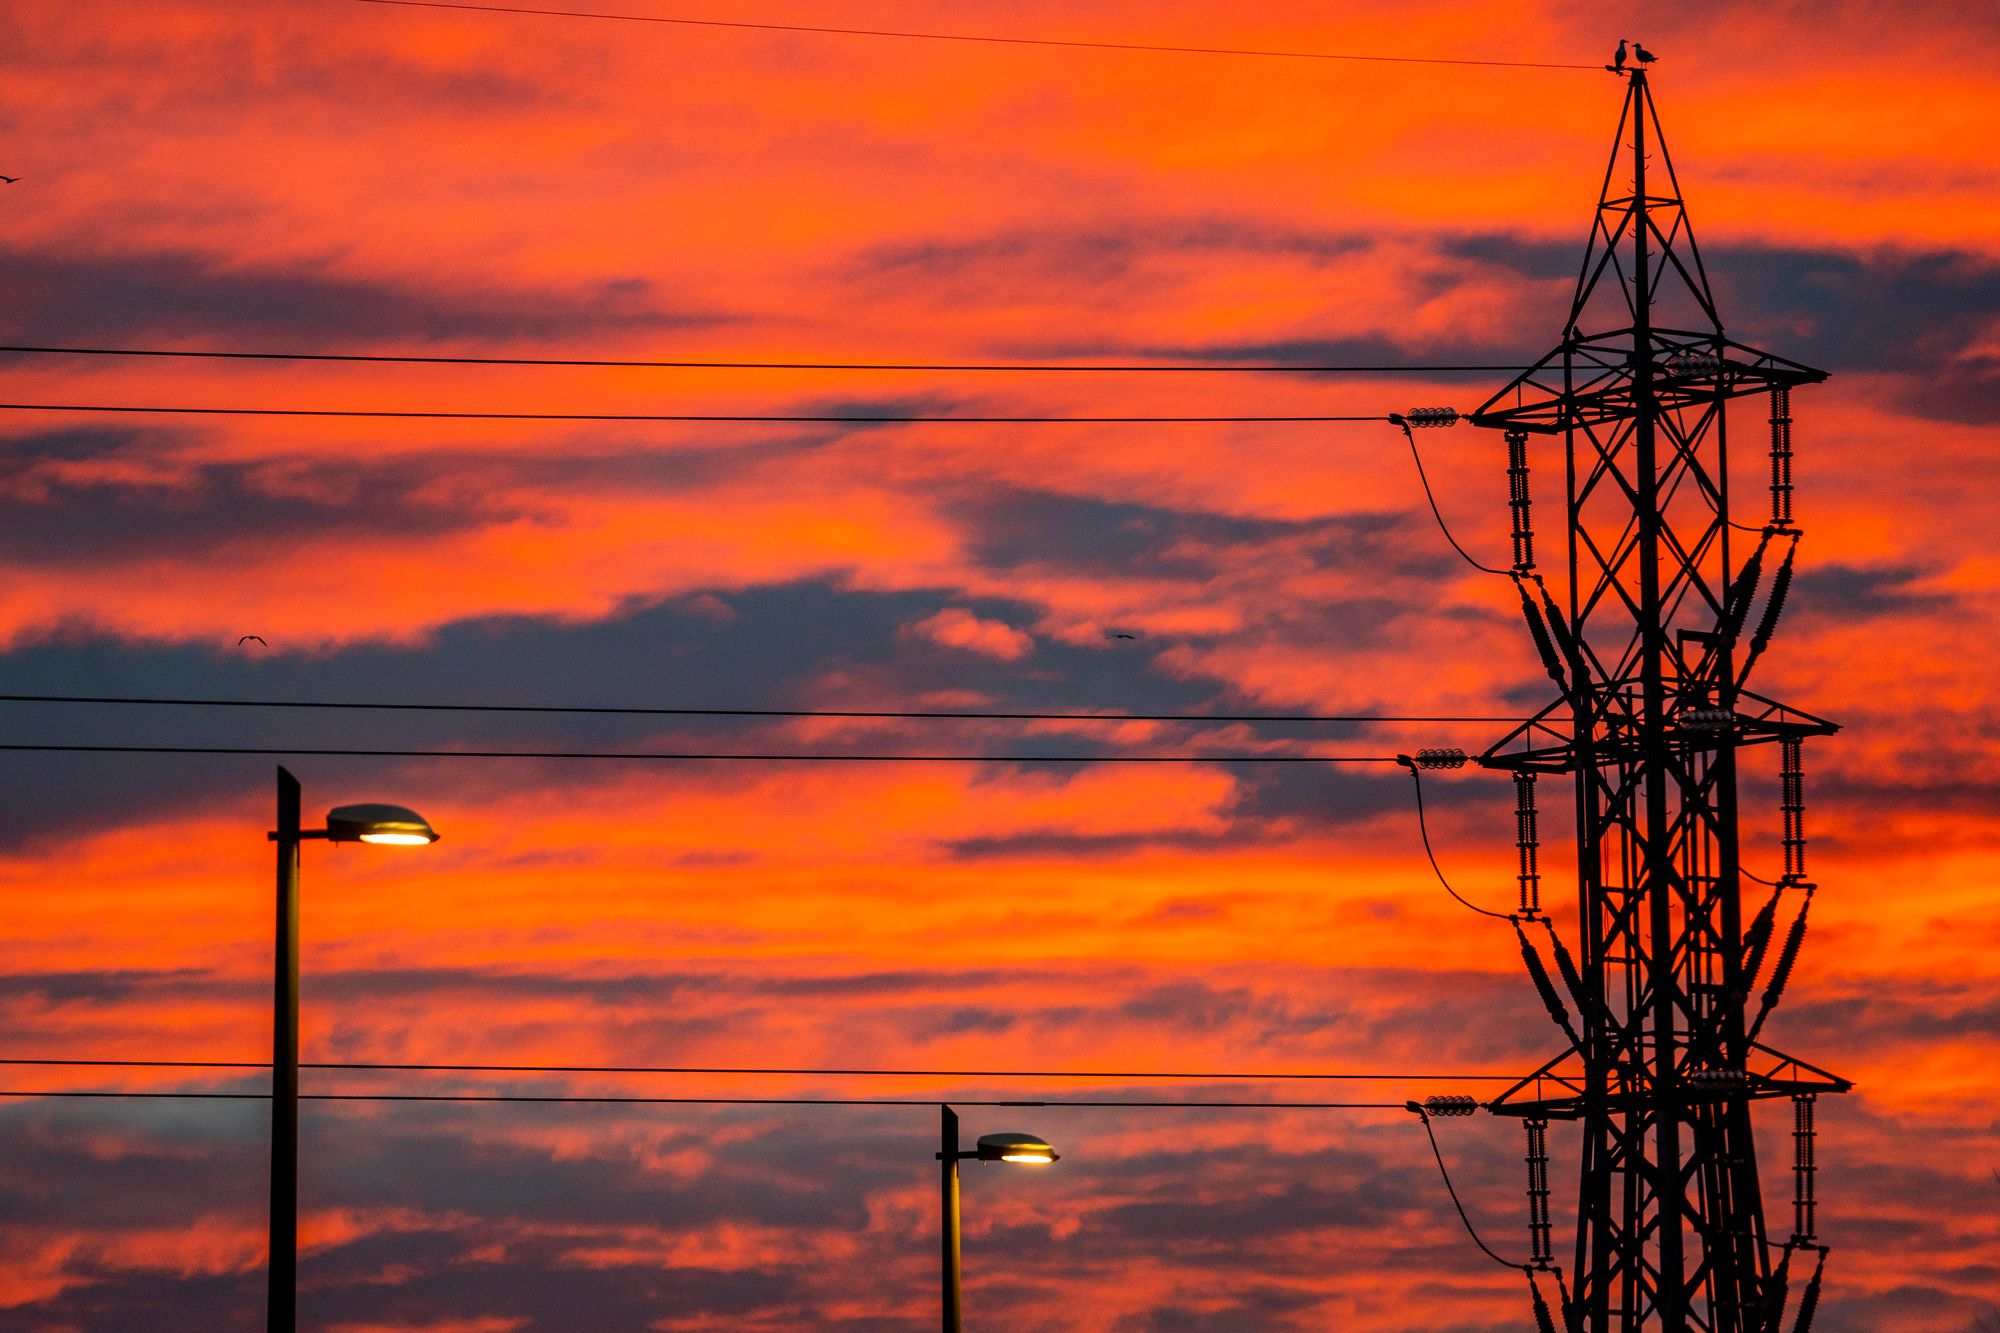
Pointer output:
x,y
221,507
111,986
1922,314
1013,528
1842,594
83,298
1077,255
775,650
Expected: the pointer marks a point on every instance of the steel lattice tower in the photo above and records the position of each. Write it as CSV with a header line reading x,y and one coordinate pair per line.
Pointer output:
x,y
1664,1062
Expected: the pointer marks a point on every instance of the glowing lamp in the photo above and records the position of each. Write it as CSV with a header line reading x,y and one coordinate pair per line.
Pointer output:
x,y
1015,1148
384,825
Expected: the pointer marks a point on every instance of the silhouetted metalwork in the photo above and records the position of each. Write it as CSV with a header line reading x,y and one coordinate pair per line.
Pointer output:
x,y
1662,1065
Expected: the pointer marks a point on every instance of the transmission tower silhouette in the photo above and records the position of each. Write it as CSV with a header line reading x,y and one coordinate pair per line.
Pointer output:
x,y
1664,1059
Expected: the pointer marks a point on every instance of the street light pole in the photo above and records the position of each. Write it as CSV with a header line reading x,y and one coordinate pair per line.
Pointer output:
x,y
954,1277
282,1296
1010,1147
395,826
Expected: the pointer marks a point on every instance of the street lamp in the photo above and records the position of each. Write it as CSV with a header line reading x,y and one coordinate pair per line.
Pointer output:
x,y
1011,1147
390,825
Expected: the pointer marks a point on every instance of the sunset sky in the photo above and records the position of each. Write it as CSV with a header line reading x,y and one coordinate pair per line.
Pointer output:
x,y
347,177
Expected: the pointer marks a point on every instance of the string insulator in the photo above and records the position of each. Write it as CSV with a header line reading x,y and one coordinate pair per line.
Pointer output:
x,y
1450,1104
1781,584
1781,971
1431,417
1804,1168
1792,806
1809,1303
1706,719
1776,1292
1540,976
1543,1322
1440,756
1528,841
1543,644
1690,362
1564,639
1566,969
1540,1232
1781,456
1755,941
1718,1082
1736,606
1517,500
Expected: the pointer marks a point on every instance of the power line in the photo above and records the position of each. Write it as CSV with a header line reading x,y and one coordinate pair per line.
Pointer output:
x,y
859,420
690,1101
410,358
613,710
1205,1076
1470,1230
1423,827
796,757
1443,527
971,37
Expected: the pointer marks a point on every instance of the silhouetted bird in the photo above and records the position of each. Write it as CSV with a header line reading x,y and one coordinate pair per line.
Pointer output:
x,y
9,179
1645,57
1618,61
248,637
1117,634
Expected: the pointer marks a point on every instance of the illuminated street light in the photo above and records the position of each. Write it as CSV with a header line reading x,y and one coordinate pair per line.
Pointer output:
x,y
387,825
384,825
1013,1148
1007,1147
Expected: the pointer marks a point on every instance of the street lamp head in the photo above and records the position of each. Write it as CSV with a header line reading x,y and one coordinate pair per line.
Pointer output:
x,y
1015,1148
387,825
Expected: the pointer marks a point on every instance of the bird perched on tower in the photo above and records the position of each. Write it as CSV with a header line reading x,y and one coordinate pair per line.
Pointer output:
x,y
1617,65
1644,56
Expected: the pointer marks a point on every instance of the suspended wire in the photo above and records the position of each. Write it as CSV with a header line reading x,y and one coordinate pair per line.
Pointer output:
x,y
796,757
412,358
1442,1171
906,714
687,1101
1443,527
973,37
1207,1076
1424,829
859,420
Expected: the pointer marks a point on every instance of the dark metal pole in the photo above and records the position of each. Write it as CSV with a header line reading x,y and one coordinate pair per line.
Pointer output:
x,y
283,1289
954,1312
1659,872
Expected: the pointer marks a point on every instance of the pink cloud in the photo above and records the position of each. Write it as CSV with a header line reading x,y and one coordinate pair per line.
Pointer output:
x,y
955,627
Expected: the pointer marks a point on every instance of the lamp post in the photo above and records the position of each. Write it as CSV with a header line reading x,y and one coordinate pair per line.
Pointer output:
x,y
1025,1148
390,825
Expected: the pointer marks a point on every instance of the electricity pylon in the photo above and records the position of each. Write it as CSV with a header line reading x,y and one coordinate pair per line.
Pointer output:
x,y
1664,1060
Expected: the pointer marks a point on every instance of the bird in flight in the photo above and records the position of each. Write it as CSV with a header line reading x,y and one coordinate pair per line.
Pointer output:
x,y
1120,634
9,179
248,637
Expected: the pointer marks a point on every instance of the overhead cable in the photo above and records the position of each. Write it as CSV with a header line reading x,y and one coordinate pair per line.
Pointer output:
x,y
975,37
1205,1076
1436,417
1423,827
681,1101
426,359
803,757
866,419
588,709
1438,1153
